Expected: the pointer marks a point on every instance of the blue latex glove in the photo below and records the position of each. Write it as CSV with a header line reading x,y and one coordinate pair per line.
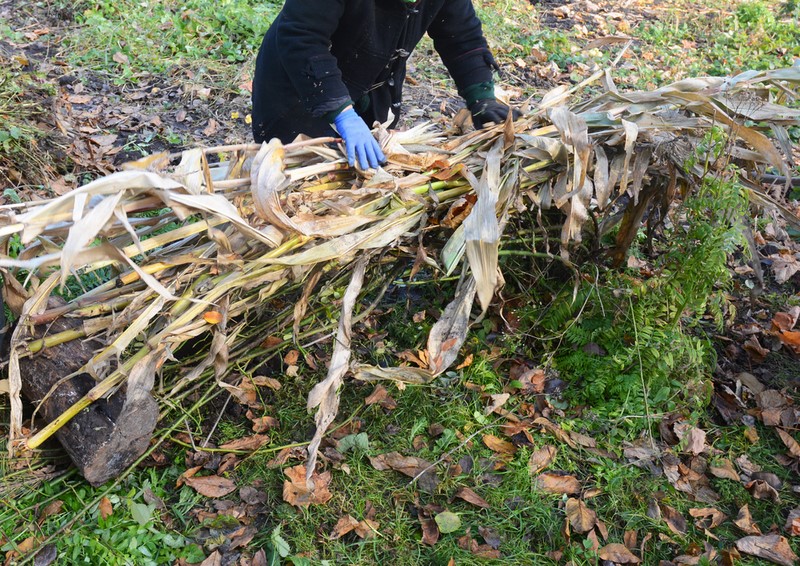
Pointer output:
x,y
358,140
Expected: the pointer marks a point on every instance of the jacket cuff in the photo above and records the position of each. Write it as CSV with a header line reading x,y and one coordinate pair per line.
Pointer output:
x,y
476,92
331,116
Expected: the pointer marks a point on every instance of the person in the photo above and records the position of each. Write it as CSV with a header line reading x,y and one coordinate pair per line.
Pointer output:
x,y
341,64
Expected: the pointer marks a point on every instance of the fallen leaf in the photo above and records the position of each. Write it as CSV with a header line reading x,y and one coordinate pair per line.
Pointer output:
x,y
247,443
618,553
556,483
499,445
120,58
630,538
470,496
793,522
695,440
296,490
490,536
343,526
105,507
211,128
448,522
367,528
774,548
744,520
498,400
541,459
210,486
760,489
410,466
263,381
790,442
675,521
532,381
707,517
725,469
430,532
580,516
381,396
52,508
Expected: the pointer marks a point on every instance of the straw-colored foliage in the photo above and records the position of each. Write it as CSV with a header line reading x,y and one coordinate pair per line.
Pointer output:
x,y
201,241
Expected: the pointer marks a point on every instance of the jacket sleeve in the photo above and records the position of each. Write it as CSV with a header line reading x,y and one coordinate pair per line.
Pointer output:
x,y
458,38
303,34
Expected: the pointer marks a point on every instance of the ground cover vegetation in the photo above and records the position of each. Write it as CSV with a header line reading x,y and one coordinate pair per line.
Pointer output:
x,y
598,413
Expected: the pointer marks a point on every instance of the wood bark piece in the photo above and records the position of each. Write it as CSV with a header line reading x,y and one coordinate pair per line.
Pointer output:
x,y
106,437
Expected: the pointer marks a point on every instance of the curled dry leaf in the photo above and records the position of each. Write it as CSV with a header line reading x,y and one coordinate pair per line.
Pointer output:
x,y
793,523
299,492
761,489
744,520
542,458
774,548
556,483
790,442
617,553
580,516
707,517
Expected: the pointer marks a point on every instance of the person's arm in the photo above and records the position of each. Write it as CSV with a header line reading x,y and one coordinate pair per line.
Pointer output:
x,y
303,34
459,40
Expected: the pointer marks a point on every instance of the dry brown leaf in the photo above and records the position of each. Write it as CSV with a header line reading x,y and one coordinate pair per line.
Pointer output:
x,y
381,396
761,489
556,483
296,490
695,441
496,444
580,516
790,442
675,521
411,466
213,559
774,548
246,443
630,539
211,486
343,526
707,517
617,553
791,340
264,381
793,522
541,459
367,528
105,507
430,530
448,334
725,469
470,496
744,520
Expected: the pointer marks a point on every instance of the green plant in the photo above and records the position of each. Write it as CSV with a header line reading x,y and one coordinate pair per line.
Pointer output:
x,y
631,344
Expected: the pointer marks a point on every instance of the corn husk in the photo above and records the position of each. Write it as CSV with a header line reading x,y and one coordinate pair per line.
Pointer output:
x,y
226,230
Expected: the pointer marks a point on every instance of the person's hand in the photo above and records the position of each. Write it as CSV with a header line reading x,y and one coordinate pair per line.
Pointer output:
x,y
491,110
358,140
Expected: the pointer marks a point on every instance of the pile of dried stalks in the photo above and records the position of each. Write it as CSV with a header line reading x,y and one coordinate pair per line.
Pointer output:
x,y
199,243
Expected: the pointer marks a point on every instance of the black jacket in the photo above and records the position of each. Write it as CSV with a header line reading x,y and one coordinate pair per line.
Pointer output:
x,y
320,54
